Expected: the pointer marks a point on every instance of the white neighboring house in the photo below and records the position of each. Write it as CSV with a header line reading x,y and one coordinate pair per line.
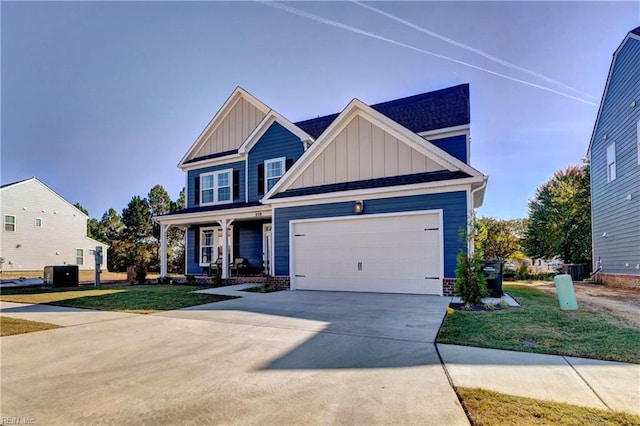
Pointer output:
x,y
40,228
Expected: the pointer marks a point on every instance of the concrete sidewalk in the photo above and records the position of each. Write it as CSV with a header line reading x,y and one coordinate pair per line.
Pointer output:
x,y
577,381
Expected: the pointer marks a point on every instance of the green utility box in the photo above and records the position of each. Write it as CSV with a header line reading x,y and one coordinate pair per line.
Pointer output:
x,y
566,293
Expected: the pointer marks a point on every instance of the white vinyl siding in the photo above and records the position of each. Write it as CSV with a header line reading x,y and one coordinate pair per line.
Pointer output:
x,y
9,223
79,256
216,187
611,162
273,171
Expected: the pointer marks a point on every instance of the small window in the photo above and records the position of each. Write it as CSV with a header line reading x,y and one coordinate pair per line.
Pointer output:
x,y
79,256
216,187
611,162
92,252
9,223
37,222
274,169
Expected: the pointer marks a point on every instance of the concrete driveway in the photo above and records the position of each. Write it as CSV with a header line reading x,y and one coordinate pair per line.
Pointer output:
x,y
280,358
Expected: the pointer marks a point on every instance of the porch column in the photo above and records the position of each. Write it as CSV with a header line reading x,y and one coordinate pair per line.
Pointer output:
x,y
163,249
225,223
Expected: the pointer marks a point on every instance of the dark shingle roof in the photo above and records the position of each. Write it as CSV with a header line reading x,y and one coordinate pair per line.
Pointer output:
x,y
636,31
427,111
374,183
213,208
210,156
15,183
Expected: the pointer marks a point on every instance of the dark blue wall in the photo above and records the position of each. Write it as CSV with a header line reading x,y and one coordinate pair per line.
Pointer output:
x,y
275,143
192,174
455,145
453,204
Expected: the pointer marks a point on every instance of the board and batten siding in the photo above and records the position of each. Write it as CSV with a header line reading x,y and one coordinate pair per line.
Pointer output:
x,y
63,230
613,212
232,131
453,204
193,174
275,143
363,151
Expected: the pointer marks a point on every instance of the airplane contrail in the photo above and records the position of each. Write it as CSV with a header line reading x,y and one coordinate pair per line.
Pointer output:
x,y
471,48
355,30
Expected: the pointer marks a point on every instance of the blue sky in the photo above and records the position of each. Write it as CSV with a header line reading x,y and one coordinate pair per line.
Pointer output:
x,y
100,100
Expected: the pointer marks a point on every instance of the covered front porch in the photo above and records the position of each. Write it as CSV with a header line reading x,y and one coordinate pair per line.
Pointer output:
x,y
246,229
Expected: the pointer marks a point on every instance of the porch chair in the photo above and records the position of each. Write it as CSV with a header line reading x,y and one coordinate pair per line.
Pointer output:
x,y
216,267
238,266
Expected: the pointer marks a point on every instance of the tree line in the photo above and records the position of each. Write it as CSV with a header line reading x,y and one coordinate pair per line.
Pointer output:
x,y
134,238
558,224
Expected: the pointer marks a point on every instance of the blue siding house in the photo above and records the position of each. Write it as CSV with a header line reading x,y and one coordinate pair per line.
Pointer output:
x,y
614,152
369,199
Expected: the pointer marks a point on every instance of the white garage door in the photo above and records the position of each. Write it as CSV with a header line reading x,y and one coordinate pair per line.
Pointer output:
x,y
378,253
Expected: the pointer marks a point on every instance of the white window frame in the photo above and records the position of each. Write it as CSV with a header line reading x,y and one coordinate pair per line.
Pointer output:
x,y
217,236
216,187
283,162
12,224
37,222
612,173
81,257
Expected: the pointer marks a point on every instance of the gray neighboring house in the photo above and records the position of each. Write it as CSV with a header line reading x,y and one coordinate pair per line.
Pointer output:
x,y
41,228
614,152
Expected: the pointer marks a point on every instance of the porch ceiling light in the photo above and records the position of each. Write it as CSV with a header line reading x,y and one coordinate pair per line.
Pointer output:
x,y
358,207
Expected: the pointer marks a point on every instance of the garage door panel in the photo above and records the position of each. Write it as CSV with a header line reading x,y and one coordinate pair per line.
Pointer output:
x,y
397,254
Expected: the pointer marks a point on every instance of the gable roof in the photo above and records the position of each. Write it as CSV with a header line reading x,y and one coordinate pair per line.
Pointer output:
x,y
264,125
6,185
358,108
39,182
439,109
236,95
635,35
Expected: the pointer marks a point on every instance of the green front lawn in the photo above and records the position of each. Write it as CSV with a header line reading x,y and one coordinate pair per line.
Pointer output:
x,y
540,326
493,408
139,299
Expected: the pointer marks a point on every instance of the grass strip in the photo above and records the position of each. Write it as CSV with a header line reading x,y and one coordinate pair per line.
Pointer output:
x,y
10,326
139,299
489,408
540,326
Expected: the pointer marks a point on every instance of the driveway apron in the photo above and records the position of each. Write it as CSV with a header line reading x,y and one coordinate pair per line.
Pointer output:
x,y
280,358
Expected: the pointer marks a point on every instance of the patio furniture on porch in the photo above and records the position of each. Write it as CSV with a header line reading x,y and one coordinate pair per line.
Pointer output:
x,y
239,266
215,268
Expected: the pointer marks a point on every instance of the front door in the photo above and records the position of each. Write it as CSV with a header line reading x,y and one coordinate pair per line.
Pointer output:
x,y
267,249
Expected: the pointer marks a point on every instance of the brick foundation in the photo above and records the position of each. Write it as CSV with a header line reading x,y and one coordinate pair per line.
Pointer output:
x,y
449,287
631,282
281,283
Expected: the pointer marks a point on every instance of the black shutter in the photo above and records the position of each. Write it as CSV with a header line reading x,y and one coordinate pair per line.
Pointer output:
x,y
196,246
196,190
261,179
289,163
236,184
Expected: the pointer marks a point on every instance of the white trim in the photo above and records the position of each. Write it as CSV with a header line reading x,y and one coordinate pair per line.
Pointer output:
x,y
265,124
246,179
358,108
612,172
384,192
281,160
216,187
35,222
269,269
446,132
198,218
212,162
238,94
630,35
439,212
78,257
213,246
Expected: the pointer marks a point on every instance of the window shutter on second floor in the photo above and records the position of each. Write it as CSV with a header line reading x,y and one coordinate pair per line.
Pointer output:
x,y
196,190
261,179
236,184
288,164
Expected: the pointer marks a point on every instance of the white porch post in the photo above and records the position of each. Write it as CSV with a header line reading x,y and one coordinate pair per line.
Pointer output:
x,y
225,223
163,249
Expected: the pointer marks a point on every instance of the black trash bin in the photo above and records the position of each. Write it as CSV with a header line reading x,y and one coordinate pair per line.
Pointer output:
x,y
575,270
493,270
61,276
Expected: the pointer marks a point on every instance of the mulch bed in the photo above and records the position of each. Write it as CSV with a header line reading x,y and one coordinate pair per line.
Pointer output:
x,y
475,308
